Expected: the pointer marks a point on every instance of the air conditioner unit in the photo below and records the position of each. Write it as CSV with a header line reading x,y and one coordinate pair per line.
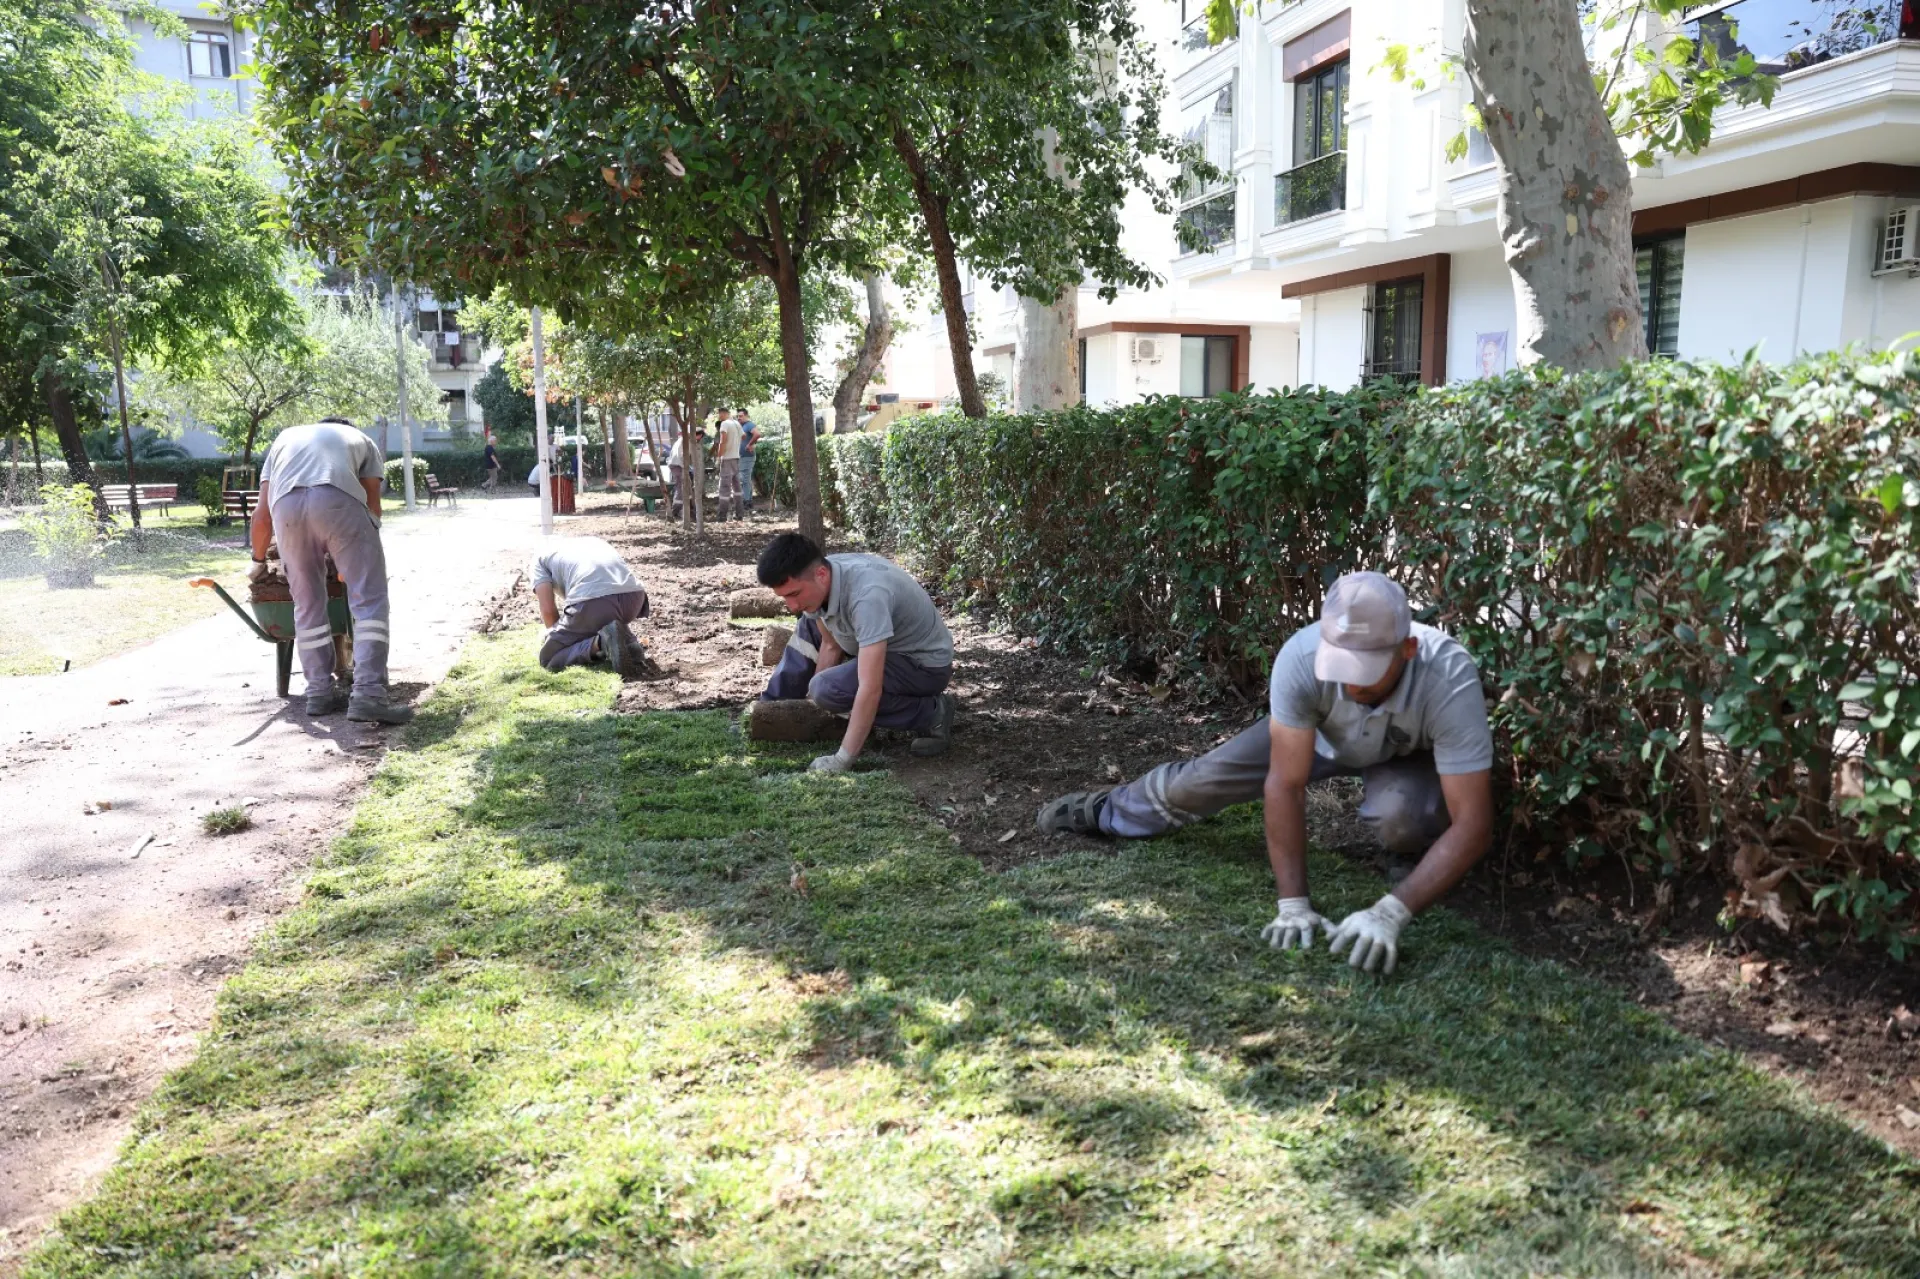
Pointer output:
x,y
1900,242
1147,350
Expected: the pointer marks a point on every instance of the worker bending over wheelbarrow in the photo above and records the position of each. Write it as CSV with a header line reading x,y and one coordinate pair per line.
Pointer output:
x,y
1364,691
320,497
603,597
870,645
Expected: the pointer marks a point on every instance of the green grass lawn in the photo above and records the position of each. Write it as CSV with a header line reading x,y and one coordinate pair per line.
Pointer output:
x,y
139,594
555,1005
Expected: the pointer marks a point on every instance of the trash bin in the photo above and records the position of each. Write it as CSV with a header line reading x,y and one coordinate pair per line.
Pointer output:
x,y
563,495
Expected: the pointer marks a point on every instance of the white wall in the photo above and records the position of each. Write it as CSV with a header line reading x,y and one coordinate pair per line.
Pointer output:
x,y
1333,338
1774,281
1273,356
1105,351
1481,302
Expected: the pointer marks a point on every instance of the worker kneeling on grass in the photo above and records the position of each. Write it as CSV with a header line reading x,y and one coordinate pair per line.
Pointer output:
x,y
603,597
320,496
869,645
1368,692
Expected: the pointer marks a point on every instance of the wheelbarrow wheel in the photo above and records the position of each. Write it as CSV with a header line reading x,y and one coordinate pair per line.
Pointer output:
x,y
283,664
343,658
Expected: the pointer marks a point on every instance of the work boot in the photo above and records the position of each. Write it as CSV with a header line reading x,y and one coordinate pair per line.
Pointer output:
x,y
326,701
366,710
939,737
615,649
1078,813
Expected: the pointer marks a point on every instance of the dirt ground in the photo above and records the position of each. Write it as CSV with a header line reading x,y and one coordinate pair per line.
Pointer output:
x,y
1034,723
110,958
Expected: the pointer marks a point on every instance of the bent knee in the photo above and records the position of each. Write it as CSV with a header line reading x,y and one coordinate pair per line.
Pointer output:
x,y
1406,830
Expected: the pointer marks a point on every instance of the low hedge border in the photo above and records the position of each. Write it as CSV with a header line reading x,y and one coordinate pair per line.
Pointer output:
x,y
1691,587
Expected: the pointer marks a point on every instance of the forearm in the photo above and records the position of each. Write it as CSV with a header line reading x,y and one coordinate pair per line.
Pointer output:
x,y
1444,865
261,531
830,655
1286,823
372,488
866,704
549,612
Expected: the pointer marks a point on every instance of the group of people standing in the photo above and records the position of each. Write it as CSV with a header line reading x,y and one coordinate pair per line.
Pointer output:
x,y
731,445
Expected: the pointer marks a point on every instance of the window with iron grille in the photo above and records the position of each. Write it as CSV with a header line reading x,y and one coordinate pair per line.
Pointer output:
x,y
1659,265
1393,330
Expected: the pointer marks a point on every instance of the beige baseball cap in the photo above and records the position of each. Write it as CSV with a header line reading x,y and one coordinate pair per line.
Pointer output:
x,y
1364,619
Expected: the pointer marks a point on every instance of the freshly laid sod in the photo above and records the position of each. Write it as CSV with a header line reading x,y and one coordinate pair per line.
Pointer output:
x,y
590,995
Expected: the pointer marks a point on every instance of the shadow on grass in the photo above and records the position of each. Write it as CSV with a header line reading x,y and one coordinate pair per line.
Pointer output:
x,y
560,999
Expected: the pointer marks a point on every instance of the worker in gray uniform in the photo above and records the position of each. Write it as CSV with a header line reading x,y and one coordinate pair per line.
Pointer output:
x,y
1366,691
602,598
320,497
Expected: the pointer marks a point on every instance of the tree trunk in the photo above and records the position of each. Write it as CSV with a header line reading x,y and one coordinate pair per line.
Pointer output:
x,y
1046,360
1566,208
933,212
246,450
606,445
873,348
622,446
793,356
66,428
39,472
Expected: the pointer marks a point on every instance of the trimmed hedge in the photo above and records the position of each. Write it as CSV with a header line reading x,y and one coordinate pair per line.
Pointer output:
x,y
1691,588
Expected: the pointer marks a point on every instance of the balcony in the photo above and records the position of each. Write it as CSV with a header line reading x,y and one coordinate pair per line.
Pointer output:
x,y
1316,187
1786,35
463,354
1207,225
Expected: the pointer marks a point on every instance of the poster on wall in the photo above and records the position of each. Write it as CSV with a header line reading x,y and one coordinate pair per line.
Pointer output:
x,y
1492,348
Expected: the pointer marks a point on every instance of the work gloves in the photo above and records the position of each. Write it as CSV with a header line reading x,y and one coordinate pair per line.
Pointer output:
x,y
259,571
1374,934
1293,925
838,762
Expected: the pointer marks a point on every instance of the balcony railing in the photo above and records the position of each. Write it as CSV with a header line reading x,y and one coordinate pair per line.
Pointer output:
x,y
1316,187
464,355
1208,224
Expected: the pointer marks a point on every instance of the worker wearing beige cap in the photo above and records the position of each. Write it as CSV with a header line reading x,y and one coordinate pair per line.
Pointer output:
x,y
1366,691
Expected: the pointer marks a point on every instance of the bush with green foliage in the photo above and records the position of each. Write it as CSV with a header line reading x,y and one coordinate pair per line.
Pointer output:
x,y
207,491
1693,589
65,535
396,484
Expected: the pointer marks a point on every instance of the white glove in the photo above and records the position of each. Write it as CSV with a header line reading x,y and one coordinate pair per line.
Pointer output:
x,y
1294,925
1374,934
838,762
258,571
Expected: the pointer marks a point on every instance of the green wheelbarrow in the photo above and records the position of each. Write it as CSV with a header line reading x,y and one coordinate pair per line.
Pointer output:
x,y
272,621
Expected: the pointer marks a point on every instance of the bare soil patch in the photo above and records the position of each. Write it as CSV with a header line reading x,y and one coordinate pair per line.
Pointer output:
x,y
1035,723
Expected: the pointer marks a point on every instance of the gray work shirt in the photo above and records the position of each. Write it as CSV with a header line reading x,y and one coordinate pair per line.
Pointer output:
x,y
1437,706
582,568
317,456
874,599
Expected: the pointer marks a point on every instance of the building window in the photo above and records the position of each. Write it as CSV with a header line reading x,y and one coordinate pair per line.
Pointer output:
x,y
1206,365
1784,35
1659,264
1393,330
1206,218
209,56
1083,370
1317,183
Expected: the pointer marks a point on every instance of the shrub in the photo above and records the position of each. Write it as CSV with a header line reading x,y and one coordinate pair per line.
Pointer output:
x,y
207,492
226,821
1693,587
64,534
396,480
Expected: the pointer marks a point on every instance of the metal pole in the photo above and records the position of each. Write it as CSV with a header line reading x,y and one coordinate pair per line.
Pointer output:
x,y
542,443
400,367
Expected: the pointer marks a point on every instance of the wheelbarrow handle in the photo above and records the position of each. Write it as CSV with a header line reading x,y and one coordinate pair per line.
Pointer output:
x,y
238,611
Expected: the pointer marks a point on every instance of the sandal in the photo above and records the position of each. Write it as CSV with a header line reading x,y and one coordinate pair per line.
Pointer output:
x,y
1078,813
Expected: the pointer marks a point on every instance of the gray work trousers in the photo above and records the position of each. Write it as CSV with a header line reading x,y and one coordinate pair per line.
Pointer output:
x,y
1403,804
730,487
570,642
677,477
909,692
311,524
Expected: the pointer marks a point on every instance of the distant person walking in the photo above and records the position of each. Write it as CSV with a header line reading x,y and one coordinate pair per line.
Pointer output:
x,y
749,441
492,482
320,497
726,450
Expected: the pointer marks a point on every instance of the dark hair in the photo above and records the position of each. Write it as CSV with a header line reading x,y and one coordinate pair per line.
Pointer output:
x,y
787,557
335,421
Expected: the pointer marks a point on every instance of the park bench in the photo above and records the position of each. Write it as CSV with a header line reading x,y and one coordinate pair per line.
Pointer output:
x,y
240,502
160,497
436,490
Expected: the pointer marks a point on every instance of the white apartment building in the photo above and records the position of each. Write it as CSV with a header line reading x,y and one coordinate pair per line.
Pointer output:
x,y
1345,245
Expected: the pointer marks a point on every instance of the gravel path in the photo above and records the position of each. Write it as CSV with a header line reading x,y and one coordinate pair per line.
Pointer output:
x,y
109,962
